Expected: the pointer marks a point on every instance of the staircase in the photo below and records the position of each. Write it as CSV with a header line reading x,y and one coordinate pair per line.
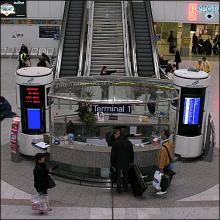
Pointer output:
x,y
71,47
144,54
107,42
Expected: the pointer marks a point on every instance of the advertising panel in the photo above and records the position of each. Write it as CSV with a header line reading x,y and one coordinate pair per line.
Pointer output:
x,y
14,134
13,9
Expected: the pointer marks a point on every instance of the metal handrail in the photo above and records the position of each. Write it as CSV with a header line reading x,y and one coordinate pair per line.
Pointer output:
x,y
152,37
61,43
126,39
82,39
133,40
89,39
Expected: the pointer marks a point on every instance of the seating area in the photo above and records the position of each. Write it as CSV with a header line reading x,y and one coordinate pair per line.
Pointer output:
x,y
34,52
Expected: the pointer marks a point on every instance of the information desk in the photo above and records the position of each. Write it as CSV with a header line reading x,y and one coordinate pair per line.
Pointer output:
x,y
85,161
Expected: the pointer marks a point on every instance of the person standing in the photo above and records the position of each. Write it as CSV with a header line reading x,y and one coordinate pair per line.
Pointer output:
x,y
42,62
171,42
41,178
70,132
46,59
208,47
200,45
23,49
177,59
206,65
165,155
199,66
122,156
194,43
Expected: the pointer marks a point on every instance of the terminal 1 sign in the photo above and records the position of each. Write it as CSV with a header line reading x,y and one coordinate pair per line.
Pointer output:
x,y
108,108
13,9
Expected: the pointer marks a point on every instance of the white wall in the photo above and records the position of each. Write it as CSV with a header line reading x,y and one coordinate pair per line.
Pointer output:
x,y
177,11
45,9
30,37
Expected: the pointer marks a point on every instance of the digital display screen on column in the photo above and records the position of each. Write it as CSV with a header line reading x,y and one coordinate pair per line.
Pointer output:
x,y
191,111
34,118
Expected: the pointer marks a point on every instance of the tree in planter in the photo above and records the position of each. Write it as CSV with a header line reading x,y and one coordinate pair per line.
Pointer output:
x,y
86,116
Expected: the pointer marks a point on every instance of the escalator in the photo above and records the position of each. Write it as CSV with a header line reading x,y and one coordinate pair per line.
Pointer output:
x,y
69,49
142,26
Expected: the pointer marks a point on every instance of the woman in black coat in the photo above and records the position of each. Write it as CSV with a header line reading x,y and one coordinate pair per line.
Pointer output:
x,y
41,180
177,59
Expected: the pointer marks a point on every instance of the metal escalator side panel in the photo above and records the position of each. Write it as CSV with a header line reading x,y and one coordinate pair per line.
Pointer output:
x,y
61,42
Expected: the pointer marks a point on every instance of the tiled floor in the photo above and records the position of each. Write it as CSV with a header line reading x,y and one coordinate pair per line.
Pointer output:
x,y
194,192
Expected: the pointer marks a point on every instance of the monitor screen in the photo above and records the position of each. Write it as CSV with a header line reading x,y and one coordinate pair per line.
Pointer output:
x,y
34,119
191,111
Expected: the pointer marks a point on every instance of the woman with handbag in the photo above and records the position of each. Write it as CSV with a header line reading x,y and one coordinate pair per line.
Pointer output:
x,y
42,178
165,161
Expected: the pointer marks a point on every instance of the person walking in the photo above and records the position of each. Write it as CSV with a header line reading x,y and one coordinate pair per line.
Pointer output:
x,y
171,42
41,178
165,156
122,156
194,43
206,65
177,59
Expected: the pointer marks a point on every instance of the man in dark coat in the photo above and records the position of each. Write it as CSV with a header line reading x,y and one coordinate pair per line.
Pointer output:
x,y
122,156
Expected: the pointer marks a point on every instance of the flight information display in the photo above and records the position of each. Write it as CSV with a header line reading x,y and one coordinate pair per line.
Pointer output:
x,y
191,111
34,118
33,96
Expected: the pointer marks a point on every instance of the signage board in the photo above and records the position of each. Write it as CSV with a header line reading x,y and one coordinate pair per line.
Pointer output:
x,y
49,32
13,9
108,108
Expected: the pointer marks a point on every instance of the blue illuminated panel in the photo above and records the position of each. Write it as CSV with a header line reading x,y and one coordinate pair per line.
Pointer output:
x,y
191,111
34,119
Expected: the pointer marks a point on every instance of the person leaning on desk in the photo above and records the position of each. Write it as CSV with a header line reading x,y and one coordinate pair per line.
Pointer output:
x,y
70,132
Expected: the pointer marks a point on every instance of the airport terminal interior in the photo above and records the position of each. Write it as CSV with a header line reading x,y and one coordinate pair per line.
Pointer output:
x,y
109,94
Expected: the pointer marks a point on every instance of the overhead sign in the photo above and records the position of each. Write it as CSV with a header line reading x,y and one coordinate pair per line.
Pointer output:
x,y
107,108
14,9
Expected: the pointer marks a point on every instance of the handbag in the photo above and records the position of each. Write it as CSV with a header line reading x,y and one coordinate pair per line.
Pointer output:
x,y
51,182
113,174
157,179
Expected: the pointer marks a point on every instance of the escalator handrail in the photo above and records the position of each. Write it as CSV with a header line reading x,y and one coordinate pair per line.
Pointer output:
x,y
152,35
127,61
82,39
133,40
61,43
89,39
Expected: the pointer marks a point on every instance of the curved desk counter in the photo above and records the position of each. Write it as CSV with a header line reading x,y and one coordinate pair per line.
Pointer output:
x,y
84,160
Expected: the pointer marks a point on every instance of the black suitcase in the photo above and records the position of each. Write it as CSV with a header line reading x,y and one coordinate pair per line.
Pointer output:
x,y
138,185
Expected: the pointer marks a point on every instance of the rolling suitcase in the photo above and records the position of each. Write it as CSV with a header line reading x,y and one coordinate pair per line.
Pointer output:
x,y
138,185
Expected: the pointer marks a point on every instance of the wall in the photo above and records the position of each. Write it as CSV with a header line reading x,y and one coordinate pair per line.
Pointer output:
x,y
177,11
30,37
35,10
